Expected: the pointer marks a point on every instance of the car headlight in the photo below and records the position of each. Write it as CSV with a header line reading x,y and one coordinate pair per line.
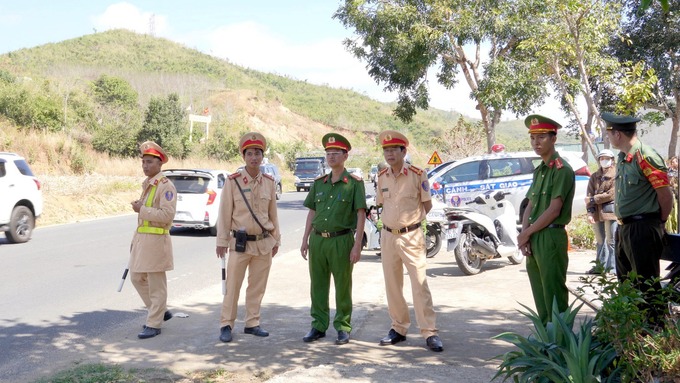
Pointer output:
x,y
297,179
436,215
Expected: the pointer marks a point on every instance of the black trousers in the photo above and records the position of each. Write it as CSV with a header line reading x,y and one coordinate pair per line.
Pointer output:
x,y
638,249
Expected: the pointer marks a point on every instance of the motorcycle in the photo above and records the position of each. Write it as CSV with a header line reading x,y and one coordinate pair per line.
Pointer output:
x,y
436,220
487,230
371,239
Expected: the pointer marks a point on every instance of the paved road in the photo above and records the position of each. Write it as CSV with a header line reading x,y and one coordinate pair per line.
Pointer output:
x,y
59,307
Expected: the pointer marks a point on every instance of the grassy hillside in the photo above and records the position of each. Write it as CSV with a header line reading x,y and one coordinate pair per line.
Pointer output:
x,y
235,95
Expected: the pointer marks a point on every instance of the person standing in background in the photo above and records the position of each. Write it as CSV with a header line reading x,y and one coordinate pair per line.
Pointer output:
x,y
600,206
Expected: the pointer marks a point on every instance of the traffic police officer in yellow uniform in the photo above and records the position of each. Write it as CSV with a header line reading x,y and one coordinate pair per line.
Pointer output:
x,y
151,249
404,193
261,235
643,201
333,234
543,239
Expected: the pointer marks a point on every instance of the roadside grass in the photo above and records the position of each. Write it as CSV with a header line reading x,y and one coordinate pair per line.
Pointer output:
x,y
105,373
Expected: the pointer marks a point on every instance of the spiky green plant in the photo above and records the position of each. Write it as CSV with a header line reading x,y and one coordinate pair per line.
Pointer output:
x,y
555,353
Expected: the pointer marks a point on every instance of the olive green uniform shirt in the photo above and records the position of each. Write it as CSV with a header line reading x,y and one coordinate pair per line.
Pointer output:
x,y
638,173
552,180
336,204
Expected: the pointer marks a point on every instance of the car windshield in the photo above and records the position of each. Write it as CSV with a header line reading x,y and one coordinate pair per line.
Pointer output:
x,y
307,166
190,183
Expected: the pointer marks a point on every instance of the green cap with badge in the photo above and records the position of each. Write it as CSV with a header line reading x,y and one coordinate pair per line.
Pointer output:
x,y
621,123
335,141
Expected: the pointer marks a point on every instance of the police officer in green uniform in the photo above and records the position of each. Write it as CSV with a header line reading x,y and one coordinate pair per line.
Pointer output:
x,y
643,202
333,234
543,239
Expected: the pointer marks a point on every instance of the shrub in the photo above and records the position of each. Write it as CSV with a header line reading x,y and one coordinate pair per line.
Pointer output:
x,y
581,232
555,353
221,147
164,123
645,351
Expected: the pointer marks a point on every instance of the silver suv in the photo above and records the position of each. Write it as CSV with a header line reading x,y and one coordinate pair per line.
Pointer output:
x,y
21,201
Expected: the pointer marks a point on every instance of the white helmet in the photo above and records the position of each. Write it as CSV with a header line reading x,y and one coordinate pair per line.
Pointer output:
x,y
605,153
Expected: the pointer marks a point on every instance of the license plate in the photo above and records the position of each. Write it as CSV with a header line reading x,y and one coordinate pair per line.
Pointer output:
x,y
450,233
181,217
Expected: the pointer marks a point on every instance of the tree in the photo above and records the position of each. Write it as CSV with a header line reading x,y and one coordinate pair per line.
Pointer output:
x,y
653,37
164,124
461,140
567,46
114,91
402,39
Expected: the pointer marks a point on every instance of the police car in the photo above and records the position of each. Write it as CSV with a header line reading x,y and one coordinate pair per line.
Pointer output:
x,y
462,180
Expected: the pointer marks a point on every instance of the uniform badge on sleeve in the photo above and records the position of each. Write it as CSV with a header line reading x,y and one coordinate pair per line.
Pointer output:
x,y
169,195
425,185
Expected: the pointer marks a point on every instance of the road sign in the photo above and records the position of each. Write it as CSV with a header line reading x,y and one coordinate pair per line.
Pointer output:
x,y
435,159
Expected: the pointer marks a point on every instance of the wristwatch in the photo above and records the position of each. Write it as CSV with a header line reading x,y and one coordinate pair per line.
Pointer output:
x,y
592,199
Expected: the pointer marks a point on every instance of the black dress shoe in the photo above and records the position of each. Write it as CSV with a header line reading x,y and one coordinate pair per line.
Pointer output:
x,y
225,334
257,331
343,337
149,332
166,317
393,337
313,335
435,344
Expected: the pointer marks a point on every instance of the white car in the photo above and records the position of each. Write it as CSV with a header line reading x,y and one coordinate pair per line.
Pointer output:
x,y
21,200
198,197
511,172
357,172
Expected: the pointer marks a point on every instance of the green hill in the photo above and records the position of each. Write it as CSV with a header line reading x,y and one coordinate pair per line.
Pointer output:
x,y
239,99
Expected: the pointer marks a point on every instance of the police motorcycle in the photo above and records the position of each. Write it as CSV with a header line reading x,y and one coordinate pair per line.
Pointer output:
x,y
486,228
371,239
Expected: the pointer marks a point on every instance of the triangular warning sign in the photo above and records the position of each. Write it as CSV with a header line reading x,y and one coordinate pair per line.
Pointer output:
x,y
434,160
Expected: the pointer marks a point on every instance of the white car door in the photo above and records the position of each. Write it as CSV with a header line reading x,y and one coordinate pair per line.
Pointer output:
x,y
8,192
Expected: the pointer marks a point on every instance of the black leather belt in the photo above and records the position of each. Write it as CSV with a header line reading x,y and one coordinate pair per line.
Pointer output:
x,y
403,229
255,237
555,226
638,217
331,234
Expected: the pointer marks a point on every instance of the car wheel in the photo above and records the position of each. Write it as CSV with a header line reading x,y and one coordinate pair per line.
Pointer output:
x,y
298,189
278,192
21,225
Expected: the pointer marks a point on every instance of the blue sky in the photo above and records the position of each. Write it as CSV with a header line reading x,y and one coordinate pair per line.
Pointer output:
x,y
298,38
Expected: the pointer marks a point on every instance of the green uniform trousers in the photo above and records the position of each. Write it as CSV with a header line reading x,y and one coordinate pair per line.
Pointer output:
x,y
330,256
547,270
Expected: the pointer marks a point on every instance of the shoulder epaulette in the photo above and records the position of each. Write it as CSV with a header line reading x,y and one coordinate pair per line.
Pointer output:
x,y
320,177
164,179
356,177
234,176
382,172
416,169
269,176
558,163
